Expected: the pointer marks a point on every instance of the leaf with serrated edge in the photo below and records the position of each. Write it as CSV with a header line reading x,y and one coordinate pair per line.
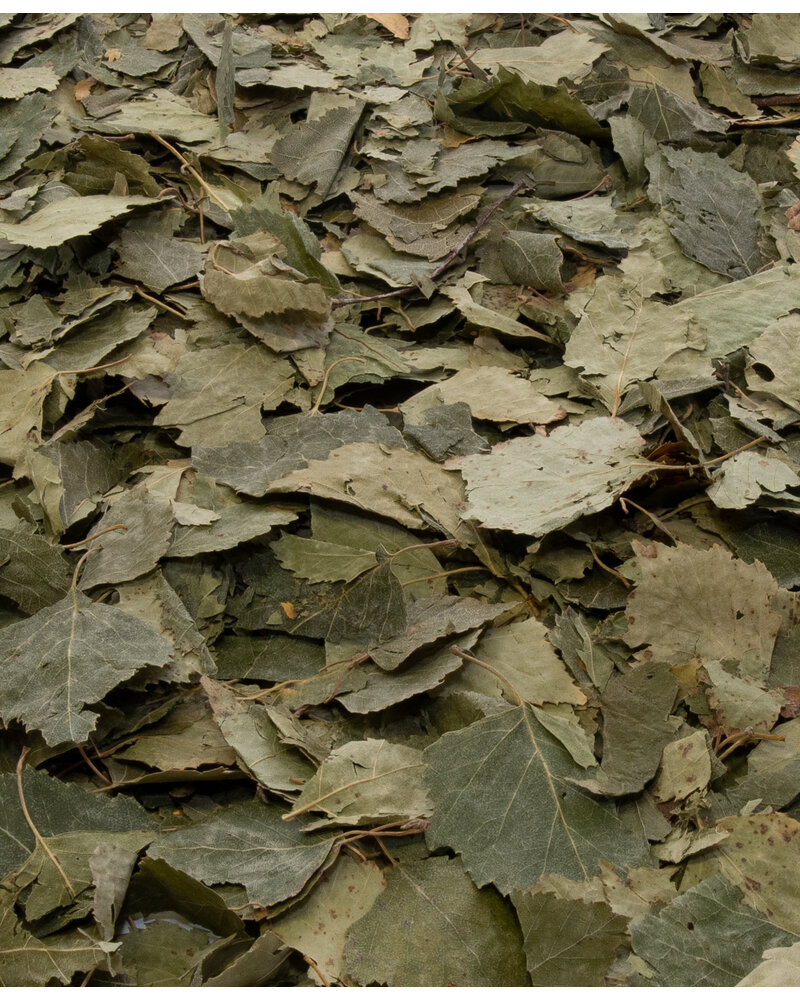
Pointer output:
x,y
462,935
66,657
504,798
536,484
249,844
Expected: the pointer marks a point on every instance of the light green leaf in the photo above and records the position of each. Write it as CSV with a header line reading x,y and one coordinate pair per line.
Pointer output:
x,y
781,967
462,935
706,937
741,702
66,657
22,397
491,393
64,220
775,367
536,484
504,798
685,768
291,442
16,82
248,844
522,654
691,602
345,893
762,857
560,56
482,316
365,782
167,114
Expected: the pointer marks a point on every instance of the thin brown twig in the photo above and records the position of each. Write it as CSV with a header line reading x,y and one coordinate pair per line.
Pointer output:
x,y
93,767
80,562
603,182
97,534
175,152
607,568
315,408
158,302
37,836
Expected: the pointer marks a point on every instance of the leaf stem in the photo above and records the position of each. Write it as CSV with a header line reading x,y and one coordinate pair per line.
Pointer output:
x,y
458,651
328,370
97,534
39,838
190,169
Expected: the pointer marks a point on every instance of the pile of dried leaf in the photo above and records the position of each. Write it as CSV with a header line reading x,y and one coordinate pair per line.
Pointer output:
x,y
398,525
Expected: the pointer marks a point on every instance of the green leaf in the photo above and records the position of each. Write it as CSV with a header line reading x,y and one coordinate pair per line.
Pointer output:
x,y
248,844
69,656
504,798
58,807
568,942
365,782
64,220
345,893
760,857
710,208
533,485
702,603
462,935
772,775
706,937
141,526
372,689
522,654
31,961
15,83
318,561
429,620
22,397
781,967
634,703
238,523
220,392
491,394
291,442
314,152
256,740
156,261
34,573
